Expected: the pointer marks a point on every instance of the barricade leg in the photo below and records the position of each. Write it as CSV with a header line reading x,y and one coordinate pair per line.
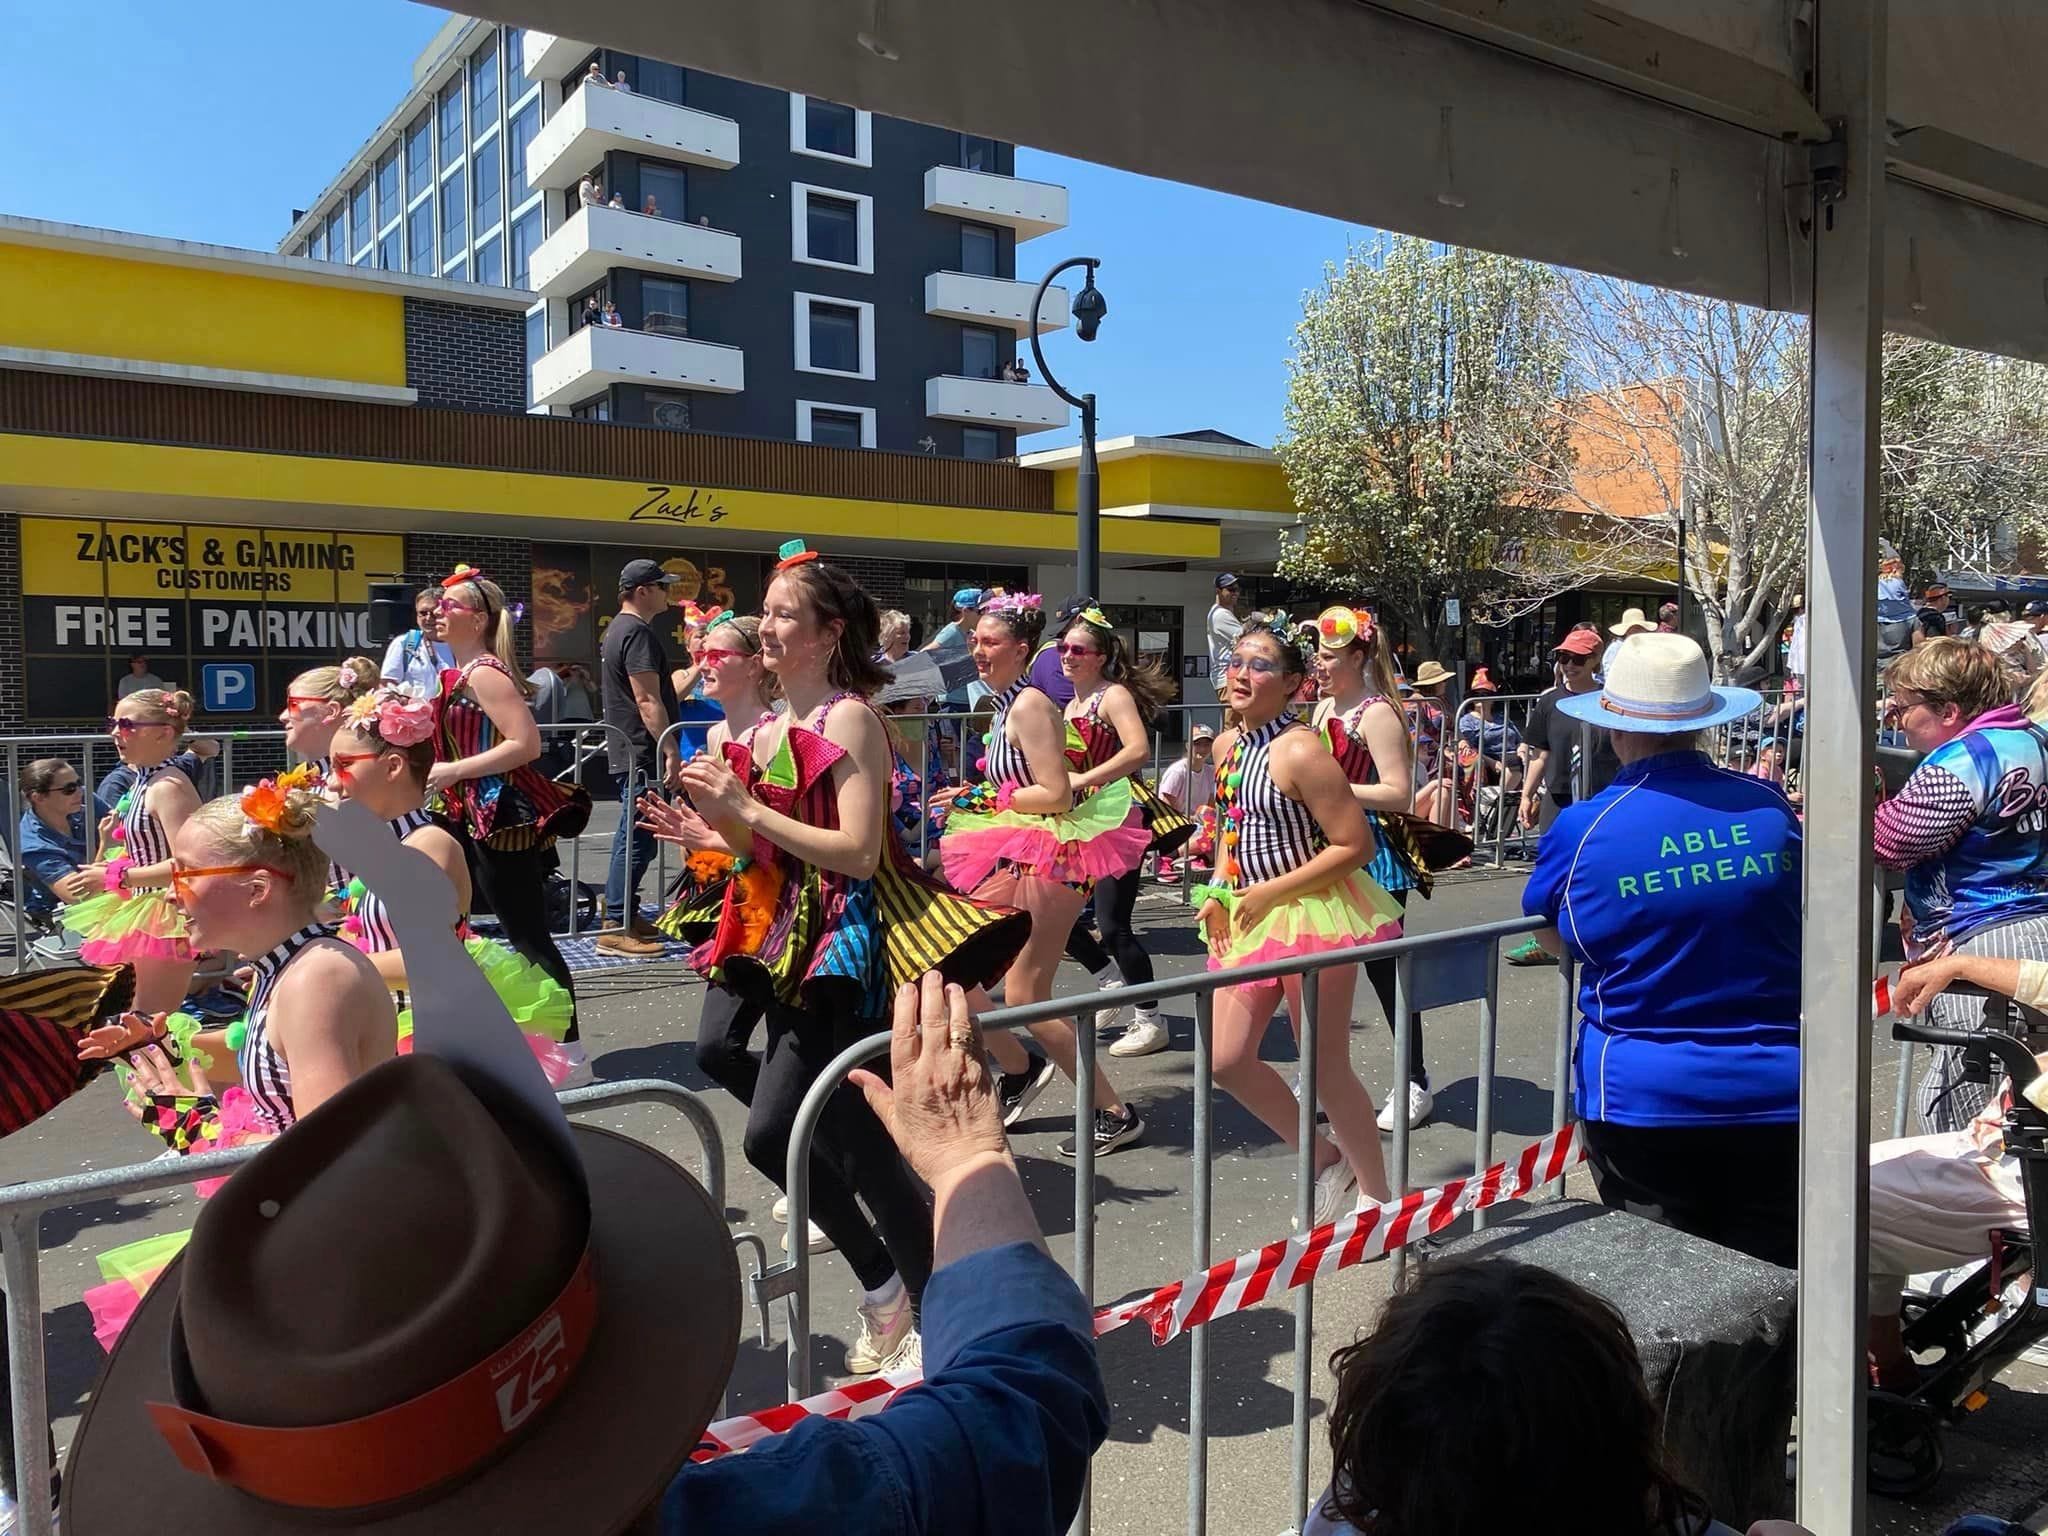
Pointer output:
x,y
26,1376
1084,1204
1404,1056
1489,1043
1198,1341
1902,1096
1305,1216
1561,1061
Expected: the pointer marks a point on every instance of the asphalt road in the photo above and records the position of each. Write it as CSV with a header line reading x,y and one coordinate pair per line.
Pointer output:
x,y
639,1020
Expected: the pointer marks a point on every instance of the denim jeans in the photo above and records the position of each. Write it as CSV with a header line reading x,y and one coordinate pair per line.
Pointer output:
x,y
632,852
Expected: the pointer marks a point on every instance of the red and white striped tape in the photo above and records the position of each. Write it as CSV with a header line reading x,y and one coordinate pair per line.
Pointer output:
x,y
1880,997
1223,1288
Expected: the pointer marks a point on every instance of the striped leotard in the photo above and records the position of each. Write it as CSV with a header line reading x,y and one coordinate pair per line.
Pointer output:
x,y
265,1074
374,933
1275,834
143,837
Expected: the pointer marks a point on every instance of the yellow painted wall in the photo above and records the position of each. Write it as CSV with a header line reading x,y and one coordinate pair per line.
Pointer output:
x,y
105,306
1164,478
608,510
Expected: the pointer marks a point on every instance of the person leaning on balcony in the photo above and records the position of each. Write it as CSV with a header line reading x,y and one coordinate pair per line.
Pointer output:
x,y
650,207
619,84
588,194
595,75
615,201
610,316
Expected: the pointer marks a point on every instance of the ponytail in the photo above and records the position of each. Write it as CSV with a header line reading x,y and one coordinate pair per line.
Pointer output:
x,y
1150,688
481,593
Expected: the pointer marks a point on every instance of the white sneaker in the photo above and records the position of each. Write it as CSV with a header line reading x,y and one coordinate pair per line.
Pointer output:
x,y
908,1358
1146,1035
884,1331
818,1242
1420,1103
1114,1019
779,1211
1334,1186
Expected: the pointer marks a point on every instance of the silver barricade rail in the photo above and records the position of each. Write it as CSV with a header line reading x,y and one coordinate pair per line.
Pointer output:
x,y
22,1207
1433,970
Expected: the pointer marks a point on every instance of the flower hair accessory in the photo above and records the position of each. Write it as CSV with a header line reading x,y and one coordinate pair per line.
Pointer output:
x,y
1014,602
282,806
346,676
460,575
792,553
1339,627
398,714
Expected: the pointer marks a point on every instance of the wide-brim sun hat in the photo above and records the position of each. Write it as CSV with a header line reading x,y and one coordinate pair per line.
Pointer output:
x,y
1430,673
1659,685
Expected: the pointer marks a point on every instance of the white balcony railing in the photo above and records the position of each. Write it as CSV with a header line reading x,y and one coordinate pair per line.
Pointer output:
x,y
596,357
597,119
1003,301
595,240
994,403
1031,208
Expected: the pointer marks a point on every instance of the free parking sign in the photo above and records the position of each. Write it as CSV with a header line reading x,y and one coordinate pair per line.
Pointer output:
x,y
228,687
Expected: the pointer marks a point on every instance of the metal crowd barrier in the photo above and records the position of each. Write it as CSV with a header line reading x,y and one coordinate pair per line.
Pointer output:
x,y
1432,971
23,1206
84,748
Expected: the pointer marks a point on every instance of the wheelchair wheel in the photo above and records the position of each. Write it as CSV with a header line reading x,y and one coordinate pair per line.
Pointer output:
x,y
1905,1457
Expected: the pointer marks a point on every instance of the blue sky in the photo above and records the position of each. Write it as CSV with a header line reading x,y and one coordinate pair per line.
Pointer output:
x,y
213,119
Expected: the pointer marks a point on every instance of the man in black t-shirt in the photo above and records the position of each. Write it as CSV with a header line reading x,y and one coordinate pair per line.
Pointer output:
x,y
1931,620
640,700
1553,745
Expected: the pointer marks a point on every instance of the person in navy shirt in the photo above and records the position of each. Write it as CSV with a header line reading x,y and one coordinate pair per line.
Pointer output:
x,y
1677,891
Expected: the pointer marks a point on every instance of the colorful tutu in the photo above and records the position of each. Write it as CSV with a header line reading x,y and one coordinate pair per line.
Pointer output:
x,y
539,1005
126,1274
1351,912
119,926
1102,837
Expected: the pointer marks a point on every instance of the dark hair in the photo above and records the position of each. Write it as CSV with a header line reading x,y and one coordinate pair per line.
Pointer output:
x,y
1494,1395
836,595
41,775
1026,624
1148,683
1293,651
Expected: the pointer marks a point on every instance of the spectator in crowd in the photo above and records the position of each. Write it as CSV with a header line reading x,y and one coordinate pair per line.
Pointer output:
x,y
704,220
619,83
1224,628
1976,865
640,701
955,639
895,635
1685,1071
1551,749
2036,615
1424,707
588,193
2018,652
1931,621
1189,785
592,312
1489,1389
610,313
1632,622
139,677
1020,374
616,200
1490,752
418,656
595,75
51,836
1894,605
1973,622
650,207
579,691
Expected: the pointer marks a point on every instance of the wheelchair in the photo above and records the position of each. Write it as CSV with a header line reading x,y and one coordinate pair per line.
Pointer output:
x,y
1972,1332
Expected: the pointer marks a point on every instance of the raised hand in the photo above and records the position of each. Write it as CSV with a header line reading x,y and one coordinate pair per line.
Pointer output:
x,y
674,821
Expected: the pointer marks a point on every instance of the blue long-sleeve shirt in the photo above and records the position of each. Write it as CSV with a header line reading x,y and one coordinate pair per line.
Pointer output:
x,y
995,1443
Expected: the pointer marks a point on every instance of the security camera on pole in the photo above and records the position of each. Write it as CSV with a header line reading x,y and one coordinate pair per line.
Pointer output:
x,y
1088,309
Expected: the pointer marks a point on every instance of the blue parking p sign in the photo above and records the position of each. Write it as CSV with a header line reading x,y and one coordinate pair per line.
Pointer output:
x,y
228,687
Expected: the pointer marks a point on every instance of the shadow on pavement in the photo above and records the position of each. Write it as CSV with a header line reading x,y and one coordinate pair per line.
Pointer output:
x,y
1148,1384
1520,1107
60,1226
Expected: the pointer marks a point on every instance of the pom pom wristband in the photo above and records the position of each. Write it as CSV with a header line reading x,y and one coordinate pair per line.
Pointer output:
x,y
116,871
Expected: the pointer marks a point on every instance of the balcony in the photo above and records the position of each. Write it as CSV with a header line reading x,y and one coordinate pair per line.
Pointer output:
x,y
1000,301
597,119
994,403
1031,208
549,57
597,356
598,239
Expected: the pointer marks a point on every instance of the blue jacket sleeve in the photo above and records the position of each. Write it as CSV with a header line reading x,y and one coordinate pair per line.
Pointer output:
x,y
996,1441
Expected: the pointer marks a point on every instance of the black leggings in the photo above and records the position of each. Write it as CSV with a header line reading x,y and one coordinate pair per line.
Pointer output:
x,y
724,1027
1381,974
516,886
851,1154
1114,901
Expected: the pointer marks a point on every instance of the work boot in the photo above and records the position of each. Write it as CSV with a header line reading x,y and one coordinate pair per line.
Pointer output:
x,y
629,945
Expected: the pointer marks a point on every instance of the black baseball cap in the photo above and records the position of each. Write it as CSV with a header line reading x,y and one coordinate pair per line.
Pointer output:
x,y
645,573
2035,610
1226,580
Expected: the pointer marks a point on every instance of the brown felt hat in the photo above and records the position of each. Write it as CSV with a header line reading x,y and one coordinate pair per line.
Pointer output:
x,y
412,1314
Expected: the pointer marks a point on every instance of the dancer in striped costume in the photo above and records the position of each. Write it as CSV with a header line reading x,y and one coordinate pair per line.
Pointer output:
x,y
316,702
505,812
133,919
1290,882
1360,716
824,914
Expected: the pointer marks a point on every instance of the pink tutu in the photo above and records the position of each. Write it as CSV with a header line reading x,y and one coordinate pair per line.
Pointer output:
x,y
1102,837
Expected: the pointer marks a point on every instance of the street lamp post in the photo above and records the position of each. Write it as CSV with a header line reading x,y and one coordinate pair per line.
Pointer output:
x,y
1088,310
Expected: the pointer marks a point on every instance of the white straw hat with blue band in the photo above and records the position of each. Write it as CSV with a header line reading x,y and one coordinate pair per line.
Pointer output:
x,y
1659,685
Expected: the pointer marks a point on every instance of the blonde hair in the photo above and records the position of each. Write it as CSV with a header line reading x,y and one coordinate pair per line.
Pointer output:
x,y
292,850
748,627
159,706
325,682
1946,670
894,621
1381,675
486,595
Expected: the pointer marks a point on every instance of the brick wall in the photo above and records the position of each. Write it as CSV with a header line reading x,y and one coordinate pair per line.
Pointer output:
x,y
13,684
508,562
464,356
882,579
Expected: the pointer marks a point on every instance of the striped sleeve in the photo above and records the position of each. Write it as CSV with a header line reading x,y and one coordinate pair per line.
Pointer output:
x,y
1924,819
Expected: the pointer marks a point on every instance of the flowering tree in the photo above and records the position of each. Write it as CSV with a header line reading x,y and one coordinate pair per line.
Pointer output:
x,y
1422,433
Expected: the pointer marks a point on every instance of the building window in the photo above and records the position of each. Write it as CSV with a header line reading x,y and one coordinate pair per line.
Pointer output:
x,y
580,311
980,443
981,351
668,186
833,229
665,306
526,238
451,122
662,81
361,231
835,426
390,254
337,233
515,63
387,187
490,265
669,410
536,343
419,237
419,156
454,227
599,409
978,154
518,134
830,131
835,336
316,246
979,248
483,87
484,171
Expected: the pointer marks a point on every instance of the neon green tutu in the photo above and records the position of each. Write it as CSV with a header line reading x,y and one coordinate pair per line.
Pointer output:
x,y
118,926
538,1003
1350,912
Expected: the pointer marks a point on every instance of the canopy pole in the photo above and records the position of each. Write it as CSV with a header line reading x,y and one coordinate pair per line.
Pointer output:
x,y
1838,959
